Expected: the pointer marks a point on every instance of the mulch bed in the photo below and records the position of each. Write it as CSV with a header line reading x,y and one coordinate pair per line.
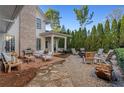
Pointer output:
x,y
17,79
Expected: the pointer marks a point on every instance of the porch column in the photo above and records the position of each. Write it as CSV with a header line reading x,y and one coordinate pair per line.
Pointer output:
x,y
56,45
65,44
52,43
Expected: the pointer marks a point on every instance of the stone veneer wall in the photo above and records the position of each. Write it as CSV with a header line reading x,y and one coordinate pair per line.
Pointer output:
x,y
27,28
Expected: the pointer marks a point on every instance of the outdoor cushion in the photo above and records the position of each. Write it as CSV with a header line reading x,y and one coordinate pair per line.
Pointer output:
x,y
100,51
7,57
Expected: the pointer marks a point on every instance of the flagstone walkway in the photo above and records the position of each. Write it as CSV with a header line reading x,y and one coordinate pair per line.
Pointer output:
x,y
72,73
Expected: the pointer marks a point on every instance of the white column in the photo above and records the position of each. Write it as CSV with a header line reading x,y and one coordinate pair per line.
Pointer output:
x,y
56,45
65,44
52,43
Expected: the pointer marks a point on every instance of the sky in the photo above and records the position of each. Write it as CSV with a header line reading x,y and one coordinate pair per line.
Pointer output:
x,y
69,18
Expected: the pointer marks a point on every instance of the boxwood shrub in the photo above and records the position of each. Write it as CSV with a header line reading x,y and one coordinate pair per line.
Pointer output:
x,y
120,57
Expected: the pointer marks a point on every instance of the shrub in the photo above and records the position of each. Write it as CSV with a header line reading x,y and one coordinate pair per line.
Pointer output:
x,y
120,57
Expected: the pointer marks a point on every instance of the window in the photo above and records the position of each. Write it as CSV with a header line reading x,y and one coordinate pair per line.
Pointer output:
x,y
38,44
10,44
38,23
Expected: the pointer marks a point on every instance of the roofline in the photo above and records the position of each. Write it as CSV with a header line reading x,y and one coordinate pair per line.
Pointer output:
x,y
42,13
54,33
17,9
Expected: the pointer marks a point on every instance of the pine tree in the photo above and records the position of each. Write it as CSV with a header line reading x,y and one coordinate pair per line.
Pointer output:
x,y
94,39
63,29
107,26
119,26
107,38
114,38
122,33
100,35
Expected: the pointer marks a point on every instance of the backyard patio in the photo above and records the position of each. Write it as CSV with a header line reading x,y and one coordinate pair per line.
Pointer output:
x,y
26,72
33,56
64,70
72,73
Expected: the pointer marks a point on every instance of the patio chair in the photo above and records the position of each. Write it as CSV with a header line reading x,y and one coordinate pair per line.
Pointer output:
x,y
10,62
108,57
60,50
82,49
48,56
105,58
89,57
74,51
82,52
98,55
39,53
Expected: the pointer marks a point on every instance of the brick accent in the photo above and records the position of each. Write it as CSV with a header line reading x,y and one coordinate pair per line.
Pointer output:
x,y
27,28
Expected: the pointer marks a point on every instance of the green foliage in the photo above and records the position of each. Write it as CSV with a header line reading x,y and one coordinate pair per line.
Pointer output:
x,y
83,16
54,17
120,57
122,32
99,37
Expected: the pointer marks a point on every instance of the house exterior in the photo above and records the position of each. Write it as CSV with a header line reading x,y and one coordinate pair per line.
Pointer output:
x,y
26,29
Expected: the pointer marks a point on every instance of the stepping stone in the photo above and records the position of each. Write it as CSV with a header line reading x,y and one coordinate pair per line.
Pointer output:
x,y
45,78
54,71
54,76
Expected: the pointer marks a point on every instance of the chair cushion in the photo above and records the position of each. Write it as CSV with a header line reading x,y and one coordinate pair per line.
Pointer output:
x,y
7,57
100,51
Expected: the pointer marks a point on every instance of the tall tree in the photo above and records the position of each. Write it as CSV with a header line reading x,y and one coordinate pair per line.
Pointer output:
x,y
63,29
107,38
94,39
114,25
83,16
100,35
122,32
114,33
119,26
54,17
107,26
115,14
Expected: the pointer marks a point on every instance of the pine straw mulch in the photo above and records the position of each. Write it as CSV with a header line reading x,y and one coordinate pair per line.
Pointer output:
x,y
17,79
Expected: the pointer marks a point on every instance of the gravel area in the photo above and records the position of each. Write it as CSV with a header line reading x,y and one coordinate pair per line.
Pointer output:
x,y
72,73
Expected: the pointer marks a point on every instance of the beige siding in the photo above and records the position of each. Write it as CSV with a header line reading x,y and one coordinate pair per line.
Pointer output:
x,y
27,28
38,31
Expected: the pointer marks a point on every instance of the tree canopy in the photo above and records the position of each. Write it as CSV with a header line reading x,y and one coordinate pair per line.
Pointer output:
x,y
83,16
54,17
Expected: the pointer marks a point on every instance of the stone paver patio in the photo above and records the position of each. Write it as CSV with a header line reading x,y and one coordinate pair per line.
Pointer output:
x,y
71,73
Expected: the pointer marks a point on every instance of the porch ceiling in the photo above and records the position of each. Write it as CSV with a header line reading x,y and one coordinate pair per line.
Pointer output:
x,y
56,34
7,16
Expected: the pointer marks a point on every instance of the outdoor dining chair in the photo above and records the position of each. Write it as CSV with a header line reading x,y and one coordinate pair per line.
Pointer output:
x,y
48,56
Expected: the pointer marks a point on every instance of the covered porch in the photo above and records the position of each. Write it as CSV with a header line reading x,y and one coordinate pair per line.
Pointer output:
x,y
8,14
51,40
